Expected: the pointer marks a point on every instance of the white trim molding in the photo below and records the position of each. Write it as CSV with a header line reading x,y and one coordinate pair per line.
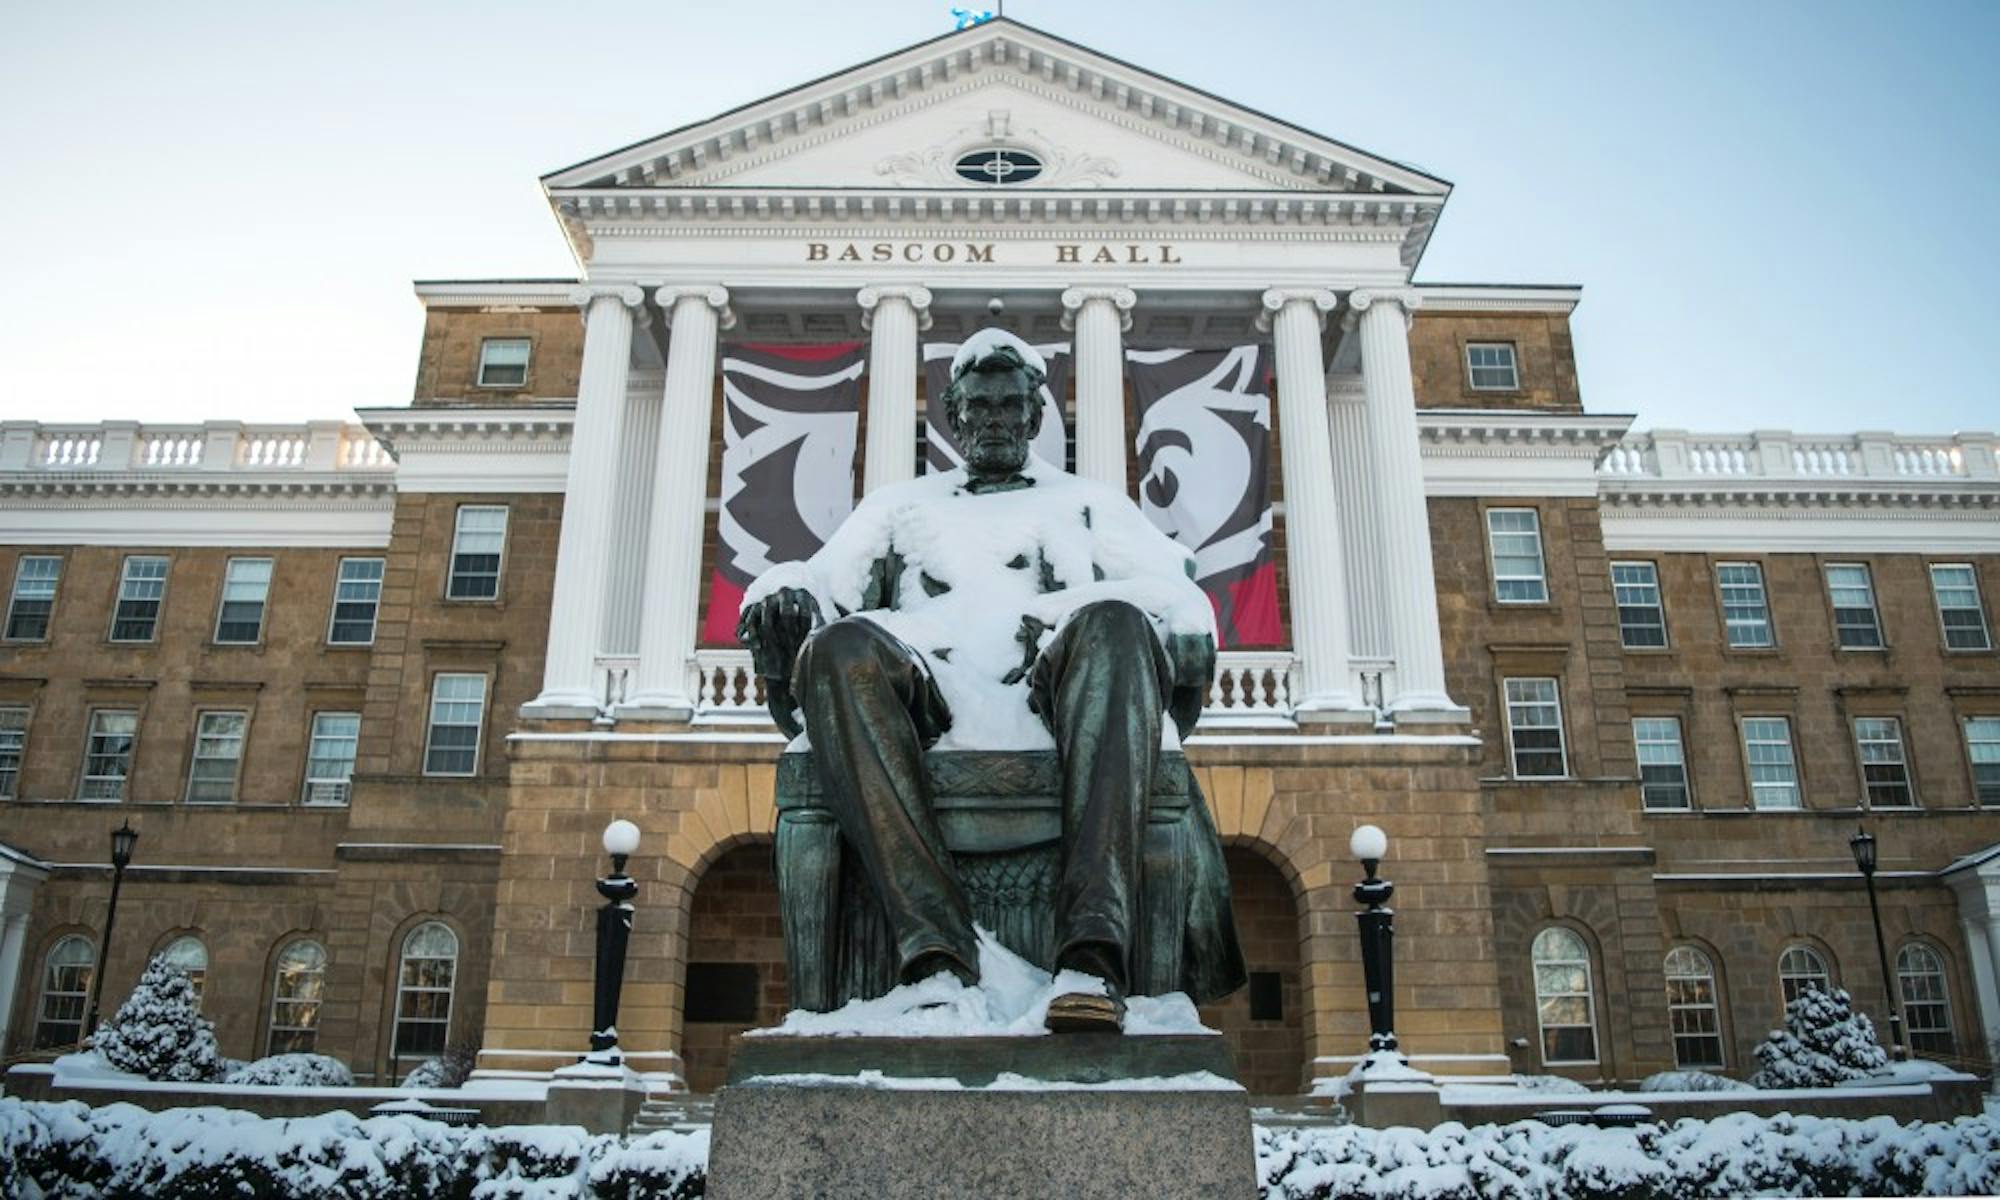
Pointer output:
x,y
1487,453
474,450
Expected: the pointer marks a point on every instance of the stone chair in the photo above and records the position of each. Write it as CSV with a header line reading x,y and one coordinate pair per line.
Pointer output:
x,y
1002,819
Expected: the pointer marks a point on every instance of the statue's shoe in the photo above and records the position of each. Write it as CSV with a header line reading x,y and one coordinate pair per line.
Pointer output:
x,y
1085,1012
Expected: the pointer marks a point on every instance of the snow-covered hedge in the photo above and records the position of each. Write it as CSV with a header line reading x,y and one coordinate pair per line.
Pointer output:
x,y
291,1070
69,1149
1692,1081
159,1031
1734,1155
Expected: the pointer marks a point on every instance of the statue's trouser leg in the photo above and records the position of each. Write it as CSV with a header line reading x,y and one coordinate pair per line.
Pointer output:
x,y
1103,682
870,709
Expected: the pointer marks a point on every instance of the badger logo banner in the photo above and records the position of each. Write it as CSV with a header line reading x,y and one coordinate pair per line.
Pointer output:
x,y
1204,446
941,451
790,416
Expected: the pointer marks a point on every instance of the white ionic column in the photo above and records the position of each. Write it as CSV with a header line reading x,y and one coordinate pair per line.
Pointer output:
x,y
13,941
1100,316
1354,483
892,315
1325,686
672,588
1409,581
583,561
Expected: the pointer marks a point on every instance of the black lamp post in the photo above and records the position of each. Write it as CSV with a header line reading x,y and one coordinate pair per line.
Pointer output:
x,y
123,839
614,930
1863,845
1370,844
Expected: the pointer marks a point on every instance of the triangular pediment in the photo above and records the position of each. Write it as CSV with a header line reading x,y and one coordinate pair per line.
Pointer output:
x,y
1071,118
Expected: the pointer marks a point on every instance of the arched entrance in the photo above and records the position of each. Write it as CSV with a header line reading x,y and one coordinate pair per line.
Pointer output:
x,y
1264,1022
735,977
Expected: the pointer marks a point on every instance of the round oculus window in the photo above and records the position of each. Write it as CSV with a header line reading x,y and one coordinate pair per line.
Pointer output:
x,y
997,165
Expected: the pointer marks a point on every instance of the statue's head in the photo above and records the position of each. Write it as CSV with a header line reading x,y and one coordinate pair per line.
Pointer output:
x,y
994,404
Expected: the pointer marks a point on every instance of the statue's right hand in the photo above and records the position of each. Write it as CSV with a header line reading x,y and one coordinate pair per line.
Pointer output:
x,y
775,627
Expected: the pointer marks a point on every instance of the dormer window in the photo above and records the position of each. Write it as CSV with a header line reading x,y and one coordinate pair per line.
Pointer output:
x,y
503,362
997,165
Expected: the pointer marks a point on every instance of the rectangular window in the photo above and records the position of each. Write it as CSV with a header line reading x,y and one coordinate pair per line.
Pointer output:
x,y
13,742
107,755
458,707
218,753
35,577
1855,622
1982,747
1534,729
1744,614
1663,778
1883,769
1774,774
357,593
475,553
1642,622
1516,537
1489,367
142,586
330,758
503,362
1957,591
246,585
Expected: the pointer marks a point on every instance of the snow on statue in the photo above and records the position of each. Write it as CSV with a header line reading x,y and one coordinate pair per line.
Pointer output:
x,y
1001,605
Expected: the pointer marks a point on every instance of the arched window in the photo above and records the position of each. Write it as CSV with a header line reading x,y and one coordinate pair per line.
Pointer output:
x,y
1799,968
191,956
423,990
1693,1009
65,991
1564,1006
295,993
1926,1006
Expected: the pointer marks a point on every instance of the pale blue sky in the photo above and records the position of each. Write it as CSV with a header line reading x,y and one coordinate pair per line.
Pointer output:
x,y
1782,213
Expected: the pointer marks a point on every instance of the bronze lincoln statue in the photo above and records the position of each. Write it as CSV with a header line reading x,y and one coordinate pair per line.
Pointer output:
x,y
1003,606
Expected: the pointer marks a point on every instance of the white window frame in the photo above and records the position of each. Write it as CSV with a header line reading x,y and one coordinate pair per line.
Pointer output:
x,y
1938,1002
1977,606
1790,973
1540,577
1589,994
404,987
1512,366
1983,750
127,584
1692,965
432,724
1552,701
91,734
1643,738
1882,743
1750,763
184,950
486,346
328,790
1730,624
459,534
291,1002
196,756
1866,587
1658,604
54,583
14,720
81,994
263,600
341,584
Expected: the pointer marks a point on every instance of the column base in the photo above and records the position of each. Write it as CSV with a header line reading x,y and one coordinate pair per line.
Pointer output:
x,y
1428,714
1346,712
656,707
560,706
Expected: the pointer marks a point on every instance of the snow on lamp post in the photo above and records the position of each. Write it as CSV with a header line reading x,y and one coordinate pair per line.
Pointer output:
x,y
1863,845
123,839
614,929
1370,845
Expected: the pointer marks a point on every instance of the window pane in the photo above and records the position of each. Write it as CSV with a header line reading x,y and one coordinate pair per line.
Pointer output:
x,y
1564,1006
107,756
1853,597
475,553
458,703
330,758
34,599
1884,773
1799,968
1982,747
1534,728
503,362
66,977
1692,1007
423,995
1926,1004
1642,621
1959,608
1744,616
218,749
1490,366
295,997
1516,539
245,587
1767,746
13,742
1662,763
357,594
141,589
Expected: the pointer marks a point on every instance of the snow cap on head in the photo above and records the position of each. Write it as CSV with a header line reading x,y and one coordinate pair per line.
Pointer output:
x,y
985,342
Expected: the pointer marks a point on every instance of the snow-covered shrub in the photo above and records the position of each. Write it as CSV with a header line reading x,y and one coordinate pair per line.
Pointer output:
x,y
1824,1042
1691,1081
1548,1083
448,1070
292,1070
159,1032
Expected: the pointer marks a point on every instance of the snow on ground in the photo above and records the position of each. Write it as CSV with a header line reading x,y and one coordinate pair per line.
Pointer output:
x,y
1010,1000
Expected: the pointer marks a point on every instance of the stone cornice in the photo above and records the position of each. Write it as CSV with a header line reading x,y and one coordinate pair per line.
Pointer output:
x,y
1453,298
496,293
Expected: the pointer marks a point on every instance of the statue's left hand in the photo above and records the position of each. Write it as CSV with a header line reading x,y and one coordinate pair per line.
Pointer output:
x,y
1193,657
774,628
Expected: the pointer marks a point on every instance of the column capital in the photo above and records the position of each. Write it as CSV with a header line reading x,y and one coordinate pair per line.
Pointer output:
x,y
918,297
1274,301
1122,298
1360,300
713,294
584,293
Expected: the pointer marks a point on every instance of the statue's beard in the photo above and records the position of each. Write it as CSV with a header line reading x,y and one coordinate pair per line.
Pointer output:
x,y
996,455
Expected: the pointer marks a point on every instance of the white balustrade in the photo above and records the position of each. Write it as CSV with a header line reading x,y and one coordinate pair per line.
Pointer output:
x,y
1779,455
219,445
68,449
164,447
1250,688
